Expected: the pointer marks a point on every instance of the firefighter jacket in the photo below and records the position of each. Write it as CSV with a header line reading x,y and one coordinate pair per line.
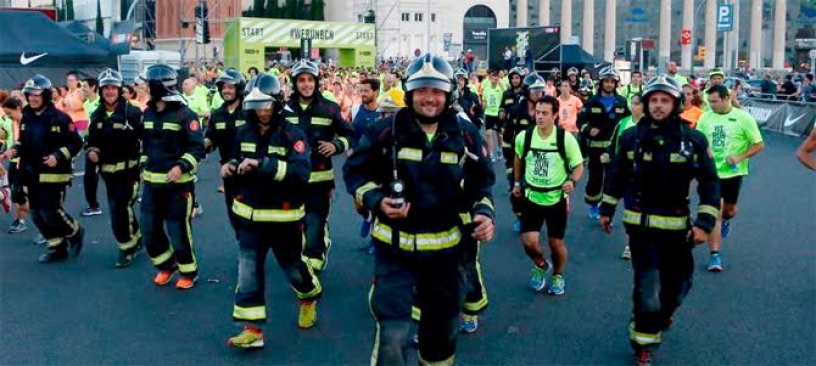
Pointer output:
x,y
320,121
594,115
471,104
447,180
652,171
115,137
171,138
221,130
274,191
49,133
510,98
519,120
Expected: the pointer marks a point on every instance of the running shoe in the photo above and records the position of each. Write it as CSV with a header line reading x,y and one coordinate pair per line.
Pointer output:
x,y
557,286
186,282
40,240
643,357
250,337
726,228
715,263
91,211
308,314
517,225
627,254
163,277
594,212
18,226
469,323
538,278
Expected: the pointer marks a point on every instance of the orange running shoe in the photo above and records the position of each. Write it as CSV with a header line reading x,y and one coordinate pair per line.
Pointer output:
x,y
163,277
185,282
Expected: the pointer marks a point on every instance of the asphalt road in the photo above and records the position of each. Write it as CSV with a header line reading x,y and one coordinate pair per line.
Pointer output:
x,y
760,310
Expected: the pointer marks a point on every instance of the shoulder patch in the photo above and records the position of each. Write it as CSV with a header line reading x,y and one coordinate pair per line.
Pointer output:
x,y
194,125
300,146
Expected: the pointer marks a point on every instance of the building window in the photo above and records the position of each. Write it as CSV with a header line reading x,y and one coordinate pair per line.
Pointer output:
x,y
417,17
406,17
433,17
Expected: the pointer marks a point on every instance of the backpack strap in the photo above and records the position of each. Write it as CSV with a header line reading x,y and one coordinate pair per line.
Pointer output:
x,y
528,140
562,148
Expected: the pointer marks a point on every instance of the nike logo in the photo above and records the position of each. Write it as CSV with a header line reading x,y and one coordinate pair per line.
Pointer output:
x,y
789,121
27,60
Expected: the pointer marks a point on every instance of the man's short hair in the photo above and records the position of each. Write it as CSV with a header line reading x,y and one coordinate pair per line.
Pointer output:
x,y
91,82
373,83
720,90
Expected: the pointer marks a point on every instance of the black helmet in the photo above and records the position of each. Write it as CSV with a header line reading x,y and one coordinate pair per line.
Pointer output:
x,y
163,83
305,66
110,77
429,71
38,85
265,93
234,77
666,84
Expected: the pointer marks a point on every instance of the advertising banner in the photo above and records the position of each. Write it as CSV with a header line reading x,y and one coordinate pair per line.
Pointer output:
x,y
540,40
790,118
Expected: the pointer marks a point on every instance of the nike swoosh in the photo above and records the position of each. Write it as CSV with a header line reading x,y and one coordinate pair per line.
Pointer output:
x,y
27,60
789,121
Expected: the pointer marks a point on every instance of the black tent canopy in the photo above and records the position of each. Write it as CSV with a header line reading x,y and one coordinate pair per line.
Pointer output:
x,y
33,44
565,56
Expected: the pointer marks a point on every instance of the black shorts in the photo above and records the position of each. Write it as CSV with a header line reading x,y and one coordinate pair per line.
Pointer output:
x,y
533,217
493,123
730,188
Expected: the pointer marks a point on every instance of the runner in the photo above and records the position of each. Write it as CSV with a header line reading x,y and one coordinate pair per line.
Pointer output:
x,y
570,108
491,99
805,152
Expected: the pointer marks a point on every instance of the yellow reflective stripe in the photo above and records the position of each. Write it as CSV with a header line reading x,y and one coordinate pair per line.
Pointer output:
x,y
343,141
446,362
220,125
593,198
365,188
53,242
171,126
122,165
647,156
55,178
240,123
609,199
161,178
422,242
643,339
249,313
449,158
708,209
148,125
247,147
656,221
161,258
56,129
630,155
278,150
416,313
143,158
118,126
292,120
485,201
407,153
187,268
190,159
321,121
281,172
267,215
677,158
65,152
599,144
321,176
465,217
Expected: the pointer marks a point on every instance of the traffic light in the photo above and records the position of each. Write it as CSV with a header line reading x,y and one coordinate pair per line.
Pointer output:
x,y
202,25
701,53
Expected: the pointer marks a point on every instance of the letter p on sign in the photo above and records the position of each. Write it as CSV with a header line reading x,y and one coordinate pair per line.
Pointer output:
x,y
725,18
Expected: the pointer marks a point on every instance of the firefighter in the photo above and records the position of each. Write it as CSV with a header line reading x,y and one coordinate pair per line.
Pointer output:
x,y
47,144
113,144
267,171
651,172
427,176
510,98
328,135
596,123
224,122
172,146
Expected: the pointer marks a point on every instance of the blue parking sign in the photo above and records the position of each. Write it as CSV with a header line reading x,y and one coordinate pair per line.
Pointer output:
x,y
725,17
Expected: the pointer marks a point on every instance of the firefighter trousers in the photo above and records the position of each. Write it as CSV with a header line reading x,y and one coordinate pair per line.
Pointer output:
x,y
90,182
509,157
122,189
432,281
51,220
471,266
318,242
595,168
170,206
663,265
228,199
255,240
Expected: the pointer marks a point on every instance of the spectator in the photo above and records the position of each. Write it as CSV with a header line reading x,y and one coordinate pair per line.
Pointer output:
x,y
788,89
808,89
767,87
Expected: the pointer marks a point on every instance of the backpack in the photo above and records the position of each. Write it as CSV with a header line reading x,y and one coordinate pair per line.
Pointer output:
x,y
559,143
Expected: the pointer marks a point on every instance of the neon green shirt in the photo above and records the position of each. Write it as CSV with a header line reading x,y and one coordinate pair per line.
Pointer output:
x,y
505,82
625,124
329,95
6,126
546,169
197,103
492,96
681,79
729,134
90,107
217,101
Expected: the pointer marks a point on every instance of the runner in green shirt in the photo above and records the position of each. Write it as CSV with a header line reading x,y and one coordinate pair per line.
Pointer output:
x,y
491,99
547,180
634,88
196,101
734,138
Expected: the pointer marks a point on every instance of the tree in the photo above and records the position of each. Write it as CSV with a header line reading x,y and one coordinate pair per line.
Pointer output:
x,y
318,10
69,9
258,8
100,27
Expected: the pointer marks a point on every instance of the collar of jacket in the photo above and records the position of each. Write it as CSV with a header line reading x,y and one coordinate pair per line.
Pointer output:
x,y
408,128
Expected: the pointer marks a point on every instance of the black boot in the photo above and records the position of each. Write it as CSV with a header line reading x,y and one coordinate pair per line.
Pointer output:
x,y
75,242
54,255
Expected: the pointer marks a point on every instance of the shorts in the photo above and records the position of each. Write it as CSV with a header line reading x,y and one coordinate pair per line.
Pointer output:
x,y
730,188
493,123
533,217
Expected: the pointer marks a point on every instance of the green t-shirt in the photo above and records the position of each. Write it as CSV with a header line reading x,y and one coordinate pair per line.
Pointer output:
x,y
505,82
492,96
217,101
329,95
197,103
729,134
90,107
546,169
629,92
625,124
6,126
681,79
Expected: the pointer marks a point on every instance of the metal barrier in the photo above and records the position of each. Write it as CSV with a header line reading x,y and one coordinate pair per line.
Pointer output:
x,y
788,117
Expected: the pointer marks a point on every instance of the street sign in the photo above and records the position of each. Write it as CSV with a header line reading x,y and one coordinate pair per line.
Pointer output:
x,y
685,37
648,44
725,17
